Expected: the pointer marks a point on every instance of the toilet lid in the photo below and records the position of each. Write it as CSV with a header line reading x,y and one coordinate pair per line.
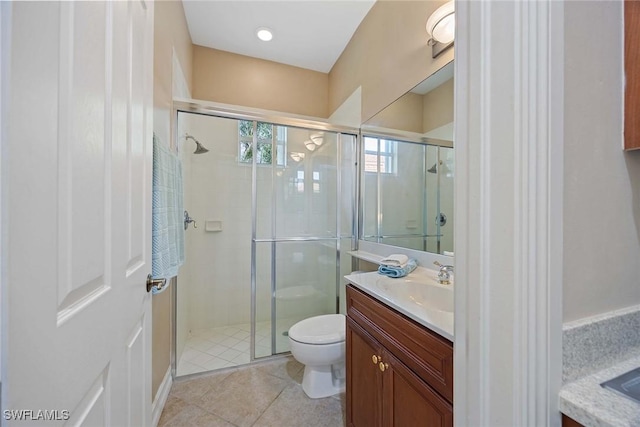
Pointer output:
x,y
325,329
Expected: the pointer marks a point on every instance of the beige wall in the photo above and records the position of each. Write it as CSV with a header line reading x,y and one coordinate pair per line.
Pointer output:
x,y
602,183
170,34
418,113
403,114
350,112
387,55
241,80
438,107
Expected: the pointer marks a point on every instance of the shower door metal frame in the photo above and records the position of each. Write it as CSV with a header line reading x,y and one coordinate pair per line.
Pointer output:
x,y
274,240
258,115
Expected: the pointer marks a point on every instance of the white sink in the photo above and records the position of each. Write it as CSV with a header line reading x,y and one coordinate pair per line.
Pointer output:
x,y
421,291
418,296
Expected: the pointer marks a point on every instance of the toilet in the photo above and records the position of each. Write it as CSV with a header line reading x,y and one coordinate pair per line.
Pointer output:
x,y
319,343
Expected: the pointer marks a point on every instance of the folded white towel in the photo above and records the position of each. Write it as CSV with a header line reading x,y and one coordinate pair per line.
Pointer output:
x,y
395,260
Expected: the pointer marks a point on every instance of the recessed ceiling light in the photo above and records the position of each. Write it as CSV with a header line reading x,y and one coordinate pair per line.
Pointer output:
x,y
264,34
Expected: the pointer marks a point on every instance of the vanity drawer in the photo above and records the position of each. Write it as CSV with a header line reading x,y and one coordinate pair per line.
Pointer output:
x,y
425,352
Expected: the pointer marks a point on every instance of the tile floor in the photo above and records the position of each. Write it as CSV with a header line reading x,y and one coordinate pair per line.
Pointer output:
x,y
261,395
227,346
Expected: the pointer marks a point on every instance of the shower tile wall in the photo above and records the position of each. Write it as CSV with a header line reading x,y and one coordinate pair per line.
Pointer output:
x,y
214,282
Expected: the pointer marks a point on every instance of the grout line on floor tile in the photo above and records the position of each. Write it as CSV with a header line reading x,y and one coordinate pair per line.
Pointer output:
x,y
270,404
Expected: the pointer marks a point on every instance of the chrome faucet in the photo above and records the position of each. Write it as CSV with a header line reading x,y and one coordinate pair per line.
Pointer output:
x,y
444,274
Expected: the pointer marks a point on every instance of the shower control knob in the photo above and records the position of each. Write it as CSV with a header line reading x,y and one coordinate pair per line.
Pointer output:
x,y
188,220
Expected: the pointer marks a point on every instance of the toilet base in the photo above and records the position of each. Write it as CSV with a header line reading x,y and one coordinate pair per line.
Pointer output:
x,y
323,381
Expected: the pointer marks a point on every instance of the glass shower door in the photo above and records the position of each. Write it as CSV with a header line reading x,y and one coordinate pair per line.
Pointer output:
x,y
300,216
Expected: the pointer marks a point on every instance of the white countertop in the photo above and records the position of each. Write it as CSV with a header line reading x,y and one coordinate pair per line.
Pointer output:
x,y
418,296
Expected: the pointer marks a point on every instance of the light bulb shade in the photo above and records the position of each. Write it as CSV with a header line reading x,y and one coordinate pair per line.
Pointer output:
x,y
296,157
441,25
310,145
264,34
317,138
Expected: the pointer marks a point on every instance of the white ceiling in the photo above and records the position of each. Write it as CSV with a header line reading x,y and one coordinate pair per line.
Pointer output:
x,y
307,34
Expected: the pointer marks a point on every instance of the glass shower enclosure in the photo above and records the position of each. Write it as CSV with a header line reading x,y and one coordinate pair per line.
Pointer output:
x,y
273,200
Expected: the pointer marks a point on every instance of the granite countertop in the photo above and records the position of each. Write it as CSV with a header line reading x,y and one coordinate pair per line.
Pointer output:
x,y
595,350
590,404
423,299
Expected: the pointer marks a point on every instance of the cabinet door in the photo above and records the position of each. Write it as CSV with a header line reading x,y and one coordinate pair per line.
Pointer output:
x,y
364,380
409,401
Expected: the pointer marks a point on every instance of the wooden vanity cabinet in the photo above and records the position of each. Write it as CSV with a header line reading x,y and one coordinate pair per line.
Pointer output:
x,y
570,422
395,379
364,379
632,75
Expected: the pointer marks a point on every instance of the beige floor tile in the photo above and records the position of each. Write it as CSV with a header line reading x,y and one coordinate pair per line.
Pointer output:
x,y
172,407
286,368
293,408
192,390
242,396
192,415
267,394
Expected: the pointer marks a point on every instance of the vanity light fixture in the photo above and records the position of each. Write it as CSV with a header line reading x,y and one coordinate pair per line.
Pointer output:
x,y
441,27
264,34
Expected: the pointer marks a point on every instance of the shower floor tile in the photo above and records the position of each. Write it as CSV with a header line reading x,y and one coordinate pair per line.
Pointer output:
x,y
227,346
223,347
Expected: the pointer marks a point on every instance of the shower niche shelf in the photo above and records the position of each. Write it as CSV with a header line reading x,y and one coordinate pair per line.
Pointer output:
x,y
213,225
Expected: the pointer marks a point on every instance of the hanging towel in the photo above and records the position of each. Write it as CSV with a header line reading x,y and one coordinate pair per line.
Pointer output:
x,y
396,272
395,260
167,245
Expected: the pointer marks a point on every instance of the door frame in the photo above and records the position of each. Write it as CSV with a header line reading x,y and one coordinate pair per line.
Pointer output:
x,y
5,58
509,72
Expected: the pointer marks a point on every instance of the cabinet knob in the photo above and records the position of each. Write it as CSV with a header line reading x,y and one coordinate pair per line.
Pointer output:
x,y
375,359
383,366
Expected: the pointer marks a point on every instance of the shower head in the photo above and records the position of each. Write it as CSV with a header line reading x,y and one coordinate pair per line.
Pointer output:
x,y
434,168
199,147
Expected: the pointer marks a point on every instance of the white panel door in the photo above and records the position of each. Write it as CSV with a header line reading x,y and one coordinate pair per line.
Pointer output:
x,y
76,314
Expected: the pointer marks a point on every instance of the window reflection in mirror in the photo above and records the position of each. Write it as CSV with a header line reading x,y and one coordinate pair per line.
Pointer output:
x,y
408,169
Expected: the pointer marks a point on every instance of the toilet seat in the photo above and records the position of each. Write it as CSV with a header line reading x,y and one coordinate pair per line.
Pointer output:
x,y
320,330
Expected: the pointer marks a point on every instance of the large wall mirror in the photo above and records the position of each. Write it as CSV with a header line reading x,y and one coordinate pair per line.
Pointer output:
x,y
408,169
